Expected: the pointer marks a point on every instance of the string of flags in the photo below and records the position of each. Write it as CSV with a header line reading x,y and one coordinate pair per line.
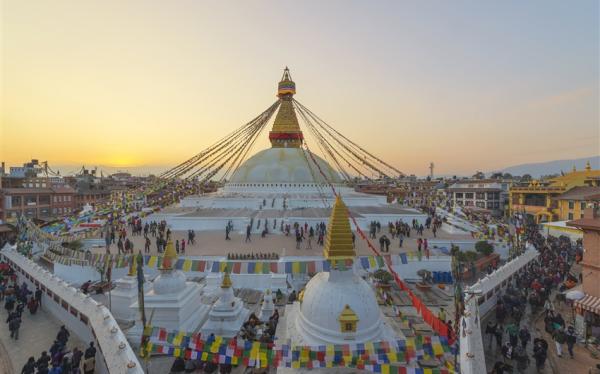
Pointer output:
x,y
387,357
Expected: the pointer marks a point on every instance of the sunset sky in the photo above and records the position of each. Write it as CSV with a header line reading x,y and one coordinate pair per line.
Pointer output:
x,y
469,85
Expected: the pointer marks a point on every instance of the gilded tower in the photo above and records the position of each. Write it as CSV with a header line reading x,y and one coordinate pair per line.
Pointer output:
x,y
338,242
286,131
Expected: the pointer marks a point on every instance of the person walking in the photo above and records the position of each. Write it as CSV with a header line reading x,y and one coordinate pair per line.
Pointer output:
x,y
490,331
147,245
248,230
13,326
559,339
571,339
524,336
29,367
38,297
182,246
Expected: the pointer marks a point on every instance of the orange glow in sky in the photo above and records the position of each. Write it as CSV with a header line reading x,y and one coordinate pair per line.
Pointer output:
x,y
469,86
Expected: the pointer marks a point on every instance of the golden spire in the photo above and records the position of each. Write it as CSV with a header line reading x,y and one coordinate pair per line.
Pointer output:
x,y
338,243
226,283
588,166
574,169
133,267
286,129
169,257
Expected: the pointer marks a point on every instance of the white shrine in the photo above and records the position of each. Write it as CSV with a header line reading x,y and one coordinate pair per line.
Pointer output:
x,y
336,307
173,303
125,294
268,307
227,315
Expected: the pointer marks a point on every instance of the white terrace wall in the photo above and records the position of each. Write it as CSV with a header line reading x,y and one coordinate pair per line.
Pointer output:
x,y
86,318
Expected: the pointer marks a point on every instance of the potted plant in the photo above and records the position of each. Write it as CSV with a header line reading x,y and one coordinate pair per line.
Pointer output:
x,y
383,278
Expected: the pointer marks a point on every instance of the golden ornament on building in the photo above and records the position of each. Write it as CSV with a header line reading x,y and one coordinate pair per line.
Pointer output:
x,y
348,320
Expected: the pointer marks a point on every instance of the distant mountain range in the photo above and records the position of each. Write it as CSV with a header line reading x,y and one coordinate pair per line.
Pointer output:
x,y
538,169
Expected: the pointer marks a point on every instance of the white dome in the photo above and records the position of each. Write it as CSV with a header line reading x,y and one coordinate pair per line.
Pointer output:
x,y
325,297
170,282
283,165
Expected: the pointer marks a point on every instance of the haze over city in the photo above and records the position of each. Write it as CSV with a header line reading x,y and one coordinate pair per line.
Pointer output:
x,y
467,85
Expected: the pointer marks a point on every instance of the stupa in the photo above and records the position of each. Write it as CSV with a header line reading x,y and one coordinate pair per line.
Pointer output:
x,y
337,307
227,314
285,182
268,307
174,303
125,294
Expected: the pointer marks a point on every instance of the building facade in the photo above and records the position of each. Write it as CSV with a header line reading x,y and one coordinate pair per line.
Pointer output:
x,y
572,204
540,199
487,194
587,317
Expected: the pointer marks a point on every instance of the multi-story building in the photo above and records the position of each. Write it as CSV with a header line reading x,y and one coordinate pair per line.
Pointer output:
x,y
588,308
32,202
539,199
91,194
63,200
572,204
490,194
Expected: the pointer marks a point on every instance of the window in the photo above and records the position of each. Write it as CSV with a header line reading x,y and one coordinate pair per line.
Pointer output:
x,y
570,216
469,195
480,196
571,204
44,199
459,195
15,200
583,205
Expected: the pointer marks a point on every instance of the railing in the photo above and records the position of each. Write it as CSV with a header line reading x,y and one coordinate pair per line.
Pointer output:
x,y
84,315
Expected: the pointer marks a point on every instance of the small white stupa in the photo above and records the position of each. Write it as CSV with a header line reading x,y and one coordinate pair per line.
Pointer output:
x,y
228,314
336,307
268,307
125,294
172,302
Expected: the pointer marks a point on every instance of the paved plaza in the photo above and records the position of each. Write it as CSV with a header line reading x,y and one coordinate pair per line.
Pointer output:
x,y
37,333
213,243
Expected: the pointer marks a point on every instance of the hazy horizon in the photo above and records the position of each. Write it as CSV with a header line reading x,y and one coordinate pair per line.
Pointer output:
x,y
466,85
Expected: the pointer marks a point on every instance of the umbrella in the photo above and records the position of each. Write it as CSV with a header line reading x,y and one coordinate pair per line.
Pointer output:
x,y
575,295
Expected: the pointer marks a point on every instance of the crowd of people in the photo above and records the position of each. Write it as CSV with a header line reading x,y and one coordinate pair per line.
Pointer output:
x,y
536,286
59,360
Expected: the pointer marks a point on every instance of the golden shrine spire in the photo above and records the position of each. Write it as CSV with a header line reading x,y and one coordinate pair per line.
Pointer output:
x,y
169,257
226,283
286,131
338,242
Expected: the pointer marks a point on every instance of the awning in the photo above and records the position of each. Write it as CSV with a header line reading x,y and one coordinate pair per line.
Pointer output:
x,y
589,303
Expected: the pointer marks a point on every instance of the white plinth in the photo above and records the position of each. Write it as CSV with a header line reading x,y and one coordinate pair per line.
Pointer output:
x,y
268,307
226,316
182,311
125,294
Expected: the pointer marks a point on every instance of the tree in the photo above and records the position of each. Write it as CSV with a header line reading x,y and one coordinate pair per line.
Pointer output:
x,y
496,175
479,175
526,177
484,247
382,276
507,176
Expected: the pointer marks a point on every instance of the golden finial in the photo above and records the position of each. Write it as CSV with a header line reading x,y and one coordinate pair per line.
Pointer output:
x,y
169,257
348,320
226,283
286,131
574,169
133,266
588,166
338,243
